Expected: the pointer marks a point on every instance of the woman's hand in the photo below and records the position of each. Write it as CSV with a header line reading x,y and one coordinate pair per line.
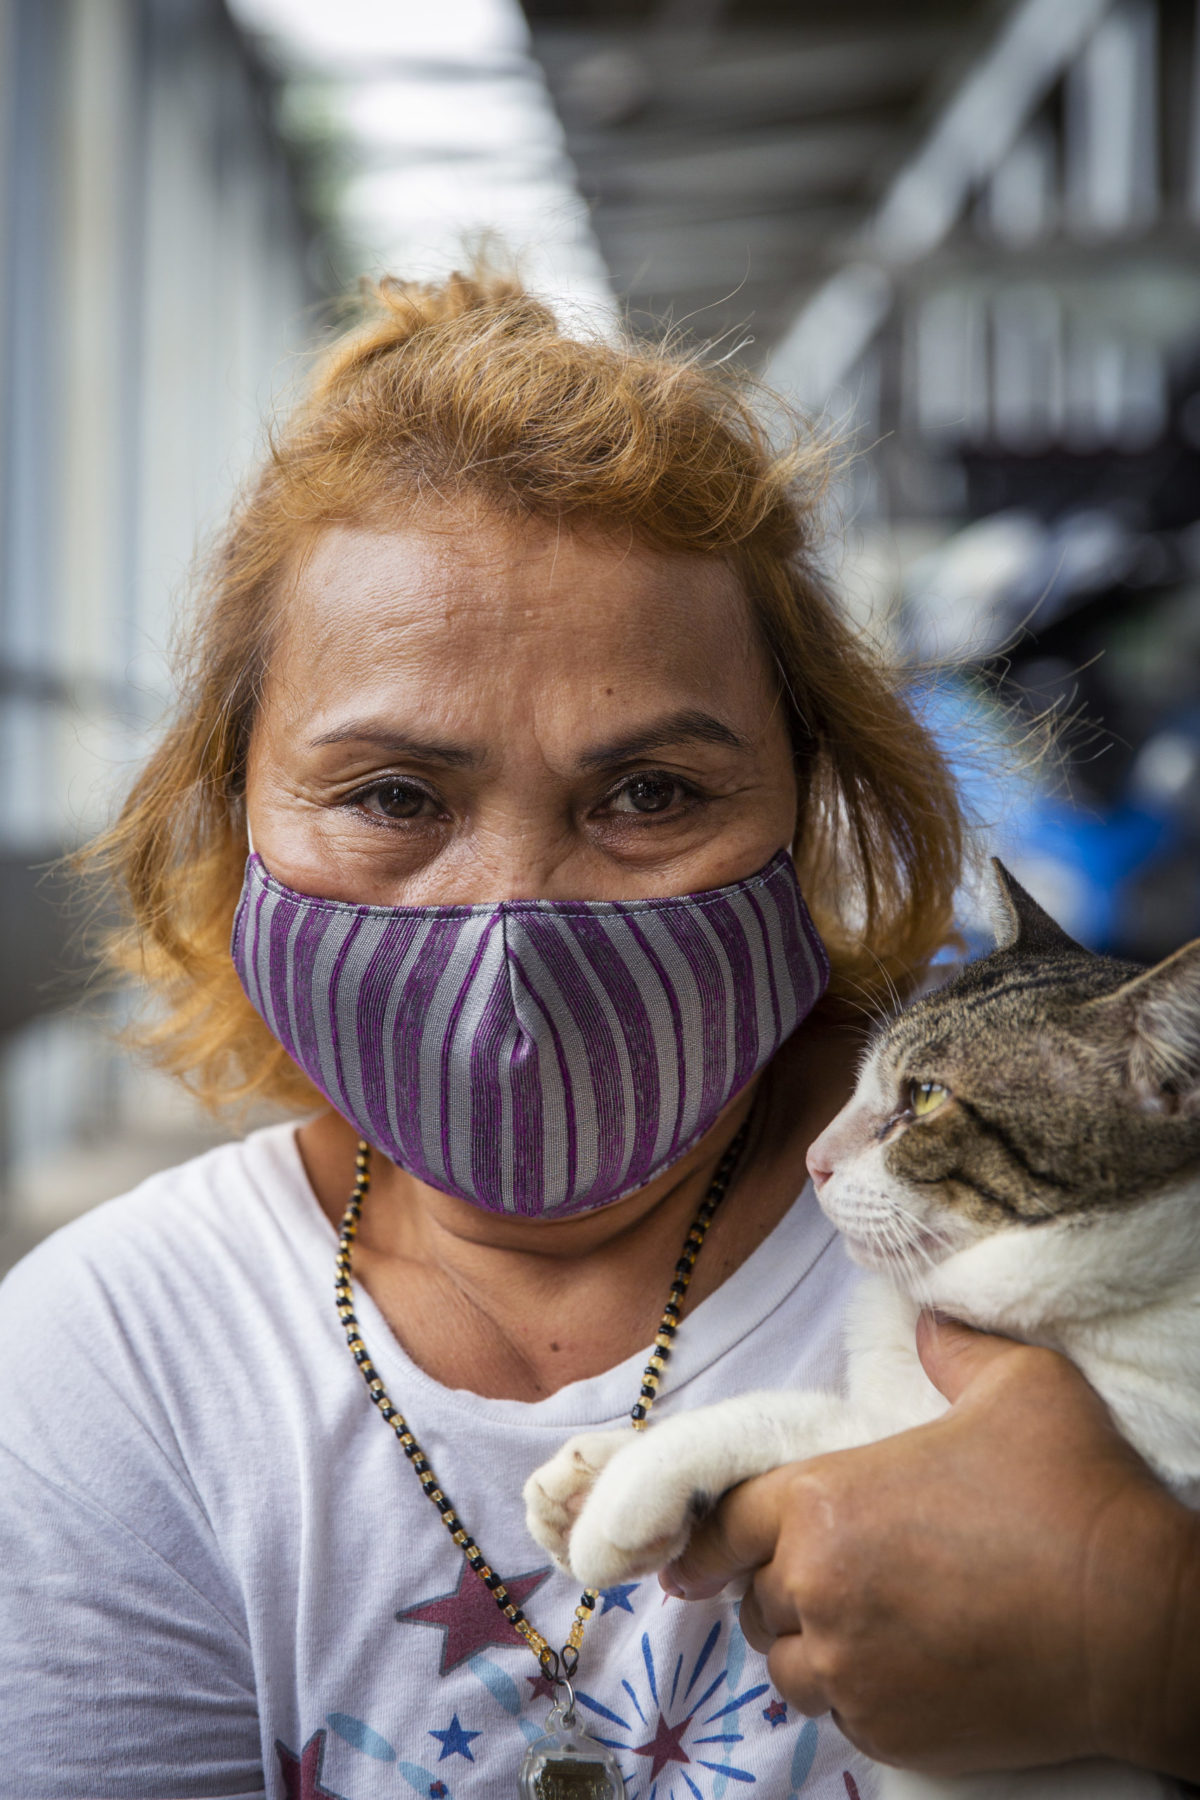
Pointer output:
x,y
1006,1586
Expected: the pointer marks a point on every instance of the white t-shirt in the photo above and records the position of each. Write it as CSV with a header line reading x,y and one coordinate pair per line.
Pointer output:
x,y
220,1577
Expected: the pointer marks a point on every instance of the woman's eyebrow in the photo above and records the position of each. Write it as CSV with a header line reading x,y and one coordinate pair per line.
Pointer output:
x,y
399,743
685,727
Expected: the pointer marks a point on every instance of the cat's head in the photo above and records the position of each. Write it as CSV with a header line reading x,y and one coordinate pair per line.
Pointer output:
x,y
1043,1086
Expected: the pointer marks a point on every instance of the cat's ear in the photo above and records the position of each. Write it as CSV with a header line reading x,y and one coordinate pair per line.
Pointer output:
x,y
1158,1019
1020,923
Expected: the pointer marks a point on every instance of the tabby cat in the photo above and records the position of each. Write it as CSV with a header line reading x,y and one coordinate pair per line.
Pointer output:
x,y
1022,1151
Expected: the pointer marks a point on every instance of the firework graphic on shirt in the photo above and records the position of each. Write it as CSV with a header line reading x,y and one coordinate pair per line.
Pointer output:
x,y
679,1726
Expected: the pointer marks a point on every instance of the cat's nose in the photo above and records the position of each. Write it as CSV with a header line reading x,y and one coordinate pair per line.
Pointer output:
x,y
820,1164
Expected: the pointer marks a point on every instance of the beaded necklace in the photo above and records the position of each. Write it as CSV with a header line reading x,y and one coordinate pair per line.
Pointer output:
x,y
565,1761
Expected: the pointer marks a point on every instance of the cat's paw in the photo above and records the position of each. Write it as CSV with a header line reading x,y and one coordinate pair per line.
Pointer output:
x,y
636,1519
555,1493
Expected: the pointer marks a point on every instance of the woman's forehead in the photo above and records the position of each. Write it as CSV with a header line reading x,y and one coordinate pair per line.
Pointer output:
x,y
483,598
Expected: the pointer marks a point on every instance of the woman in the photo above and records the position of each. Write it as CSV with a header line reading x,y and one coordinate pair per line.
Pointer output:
x,y
516,686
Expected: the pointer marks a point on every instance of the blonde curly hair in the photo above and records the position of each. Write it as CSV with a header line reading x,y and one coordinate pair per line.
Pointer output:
x,y
469,388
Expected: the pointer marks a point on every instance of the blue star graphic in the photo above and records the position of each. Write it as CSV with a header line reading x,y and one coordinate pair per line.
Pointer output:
x,y
454,1740
617,1597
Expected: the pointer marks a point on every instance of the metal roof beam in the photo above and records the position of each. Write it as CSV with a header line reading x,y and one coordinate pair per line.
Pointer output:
x,y
966,143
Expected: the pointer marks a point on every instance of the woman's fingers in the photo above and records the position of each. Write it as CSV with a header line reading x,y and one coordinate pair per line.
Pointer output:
x,y
954,1356
790,1668
739,1536
740,1541
754,1626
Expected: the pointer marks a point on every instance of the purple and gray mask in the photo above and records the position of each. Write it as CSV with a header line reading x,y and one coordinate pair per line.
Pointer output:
x,y
537,1057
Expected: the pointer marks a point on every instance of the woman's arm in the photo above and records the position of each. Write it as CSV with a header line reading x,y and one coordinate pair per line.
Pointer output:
x,y
1006,1586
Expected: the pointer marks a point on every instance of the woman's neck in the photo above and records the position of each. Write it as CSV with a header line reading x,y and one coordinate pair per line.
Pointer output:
x,y
516,1308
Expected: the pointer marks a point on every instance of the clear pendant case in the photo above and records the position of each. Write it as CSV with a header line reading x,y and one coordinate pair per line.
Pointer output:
x,y
565,1763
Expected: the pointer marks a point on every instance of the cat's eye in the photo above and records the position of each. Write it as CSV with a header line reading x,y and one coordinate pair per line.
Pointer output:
x,y
925,1097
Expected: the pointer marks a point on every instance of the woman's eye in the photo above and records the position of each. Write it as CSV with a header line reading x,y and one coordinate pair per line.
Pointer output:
x,y
648,794
395,800
925,1097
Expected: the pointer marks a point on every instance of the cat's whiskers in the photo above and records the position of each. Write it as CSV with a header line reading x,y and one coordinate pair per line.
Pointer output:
x,y
905,1242
904,1257
872,1007
925,1234
888,982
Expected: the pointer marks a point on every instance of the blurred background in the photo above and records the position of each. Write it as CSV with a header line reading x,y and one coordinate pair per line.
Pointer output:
x,y
964,232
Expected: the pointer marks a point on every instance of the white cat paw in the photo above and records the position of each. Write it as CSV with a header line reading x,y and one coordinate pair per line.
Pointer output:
x,y
555,1493
637,1518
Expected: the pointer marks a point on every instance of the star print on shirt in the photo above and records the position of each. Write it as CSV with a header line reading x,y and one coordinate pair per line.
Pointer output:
x,y
455,1741
617,1596
302,1774
664,1746
541,1687
776,1713
469,1618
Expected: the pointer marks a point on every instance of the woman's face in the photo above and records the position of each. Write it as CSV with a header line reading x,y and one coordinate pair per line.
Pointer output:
x,y
480,710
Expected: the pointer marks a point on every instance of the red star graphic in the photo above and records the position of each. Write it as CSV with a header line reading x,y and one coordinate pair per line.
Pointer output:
x,y
664,1746
469,1617
302,1774
542,1686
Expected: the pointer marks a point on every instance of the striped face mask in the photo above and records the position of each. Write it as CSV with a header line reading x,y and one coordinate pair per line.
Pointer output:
x,y
536,1057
